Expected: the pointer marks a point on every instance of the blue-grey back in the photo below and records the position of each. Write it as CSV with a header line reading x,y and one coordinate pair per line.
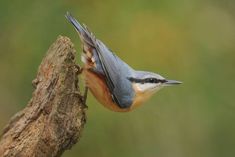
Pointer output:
x,y
116,71
119,72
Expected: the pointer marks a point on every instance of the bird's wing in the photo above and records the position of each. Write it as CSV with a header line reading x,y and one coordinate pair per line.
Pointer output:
x,y
110,64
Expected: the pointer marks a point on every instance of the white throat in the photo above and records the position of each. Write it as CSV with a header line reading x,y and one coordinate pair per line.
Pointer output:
x,y
148,87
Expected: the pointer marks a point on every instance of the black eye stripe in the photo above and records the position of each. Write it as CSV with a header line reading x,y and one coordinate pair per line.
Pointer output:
x,y
151,80
147,80
136,80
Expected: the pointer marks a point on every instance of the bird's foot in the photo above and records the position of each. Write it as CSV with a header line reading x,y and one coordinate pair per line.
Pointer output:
x,y
79,69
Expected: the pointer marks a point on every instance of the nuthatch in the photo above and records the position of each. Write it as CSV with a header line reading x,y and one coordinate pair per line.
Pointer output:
x,y
113,82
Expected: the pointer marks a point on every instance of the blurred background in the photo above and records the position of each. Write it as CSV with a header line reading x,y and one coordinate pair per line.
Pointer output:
x,y
192,41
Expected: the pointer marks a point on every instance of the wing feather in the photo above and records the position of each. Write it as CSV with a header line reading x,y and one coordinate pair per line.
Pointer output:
x,y
110,64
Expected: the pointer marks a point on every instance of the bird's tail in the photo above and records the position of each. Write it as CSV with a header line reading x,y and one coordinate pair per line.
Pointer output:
x,y
85,35
88,41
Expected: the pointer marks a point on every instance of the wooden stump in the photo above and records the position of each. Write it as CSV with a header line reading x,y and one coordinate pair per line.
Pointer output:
x,y
55,116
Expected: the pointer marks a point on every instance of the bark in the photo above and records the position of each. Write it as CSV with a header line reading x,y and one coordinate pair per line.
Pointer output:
x,y
53,119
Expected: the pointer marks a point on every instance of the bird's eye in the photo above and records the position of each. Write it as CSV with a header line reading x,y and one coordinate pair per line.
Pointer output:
x,y
151,80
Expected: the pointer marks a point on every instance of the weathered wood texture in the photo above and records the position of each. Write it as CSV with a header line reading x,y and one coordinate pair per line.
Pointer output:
x,y
55,116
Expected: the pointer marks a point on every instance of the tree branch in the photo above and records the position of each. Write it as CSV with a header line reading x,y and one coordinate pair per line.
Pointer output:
x,y
55,116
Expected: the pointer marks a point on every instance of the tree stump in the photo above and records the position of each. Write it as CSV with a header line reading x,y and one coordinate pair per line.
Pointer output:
x,y
53,119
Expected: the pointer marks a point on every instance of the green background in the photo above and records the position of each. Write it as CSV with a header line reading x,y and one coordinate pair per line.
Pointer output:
x,y
192,41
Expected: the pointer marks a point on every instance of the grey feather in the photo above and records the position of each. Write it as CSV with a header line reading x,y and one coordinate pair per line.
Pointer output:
x,y
116,71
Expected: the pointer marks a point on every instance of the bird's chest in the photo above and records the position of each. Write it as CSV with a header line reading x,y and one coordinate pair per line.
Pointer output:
x,y
97,85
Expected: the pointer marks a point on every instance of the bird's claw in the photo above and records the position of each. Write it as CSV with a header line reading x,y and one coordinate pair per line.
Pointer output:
x,y
78,68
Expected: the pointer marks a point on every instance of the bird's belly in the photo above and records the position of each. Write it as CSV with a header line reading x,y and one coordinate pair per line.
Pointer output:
x,y
97,86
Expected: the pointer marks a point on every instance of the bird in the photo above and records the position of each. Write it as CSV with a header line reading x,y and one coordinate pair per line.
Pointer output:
x,y
114,84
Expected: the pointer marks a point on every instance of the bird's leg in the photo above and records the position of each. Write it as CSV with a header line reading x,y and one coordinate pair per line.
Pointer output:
x,y
85,95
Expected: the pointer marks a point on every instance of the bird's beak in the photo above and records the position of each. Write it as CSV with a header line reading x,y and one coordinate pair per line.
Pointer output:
x,y
171,82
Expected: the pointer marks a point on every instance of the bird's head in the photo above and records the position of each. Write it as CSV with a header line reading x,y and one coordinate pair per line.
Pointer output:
x,y
149,83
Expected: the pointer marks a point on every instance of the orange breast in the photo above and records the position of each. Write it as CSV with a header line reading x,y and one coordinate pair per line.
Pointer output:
x,y
140,97
98,88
